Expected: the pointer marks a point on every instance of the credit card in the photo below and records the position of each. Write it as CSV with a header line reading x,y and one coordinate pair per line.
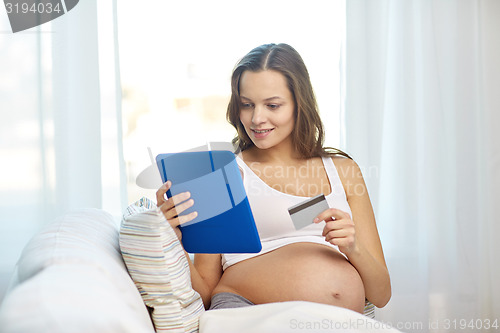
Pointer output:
x,y
304,213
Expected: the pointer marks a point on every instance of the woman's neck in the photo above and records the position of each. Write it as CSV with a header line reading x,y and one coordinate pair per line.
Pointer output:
x,y
280,154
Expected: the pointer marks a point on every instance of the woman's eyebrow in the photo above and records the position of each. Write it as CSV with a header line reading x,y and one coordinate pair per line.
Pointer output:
x,y
271,98
265,100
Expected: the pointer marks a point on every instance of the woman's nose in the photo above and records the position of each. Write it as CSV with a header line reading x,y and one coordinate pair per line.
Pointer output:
x,y
259,115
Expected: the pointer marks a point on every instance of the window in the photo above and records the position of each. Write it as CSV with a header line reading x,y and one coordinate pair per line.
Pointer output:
x,y
176,60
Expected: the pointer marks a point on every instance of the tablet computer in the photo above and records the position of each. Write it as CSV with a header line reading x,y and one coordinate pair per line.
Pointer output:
x,y
225,222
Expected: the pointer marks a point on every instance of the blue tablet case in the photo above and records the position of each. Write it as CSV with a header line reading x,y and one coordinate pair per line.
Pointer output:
x,y
225,223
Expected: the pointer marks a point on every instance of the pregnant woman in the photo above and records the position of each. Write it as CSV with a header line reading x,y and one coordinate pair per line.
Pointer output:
x,y
338,258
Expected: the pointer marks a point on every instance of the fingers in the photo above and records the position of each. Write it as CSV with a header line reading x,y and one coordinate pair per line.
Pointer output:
x,y
161,193
339,229
173,214
336,220
346,244
330,234
179,220
174,206
186,218
331,214
341,233
174,203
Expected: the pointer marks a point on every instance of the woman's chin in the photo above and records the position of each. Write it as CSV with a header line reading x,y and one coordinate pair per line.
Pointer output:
x,y
261,145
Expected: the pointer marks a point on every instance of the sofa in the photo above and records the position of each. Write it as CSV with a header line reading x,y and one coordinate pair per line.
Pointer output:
x,y
71,277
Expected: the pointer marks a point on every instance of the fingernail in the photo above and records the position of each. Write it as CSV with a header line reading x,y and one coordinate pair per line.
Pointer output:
x,y
316,220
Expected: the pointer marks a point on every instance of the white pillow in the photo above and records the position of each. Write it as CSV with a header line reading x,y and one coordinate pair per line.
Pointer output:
x,y
71,298
156,262
71,278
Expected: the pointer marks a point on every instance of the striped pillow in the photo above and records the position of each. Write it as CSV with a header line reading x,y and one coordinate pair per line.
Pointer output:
x,y
369,310
156,262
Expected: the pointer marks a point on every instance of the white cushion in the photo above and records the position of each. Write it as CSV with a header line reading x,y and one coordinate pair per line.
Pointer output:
x,y
297,316
71,278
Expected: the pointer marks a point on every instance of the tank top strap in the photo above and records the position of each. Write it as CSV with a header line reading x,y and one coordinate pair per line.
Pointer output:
x,y
333,176
239,161
242,165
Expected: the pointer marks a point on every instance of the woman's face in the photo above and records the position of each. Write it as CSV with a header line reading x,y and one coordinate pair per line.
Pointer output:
x,y
266,108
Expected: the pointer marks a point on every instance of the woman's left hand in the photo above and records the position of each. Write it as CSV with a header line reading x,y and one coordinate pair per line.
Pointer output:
x,y
339,229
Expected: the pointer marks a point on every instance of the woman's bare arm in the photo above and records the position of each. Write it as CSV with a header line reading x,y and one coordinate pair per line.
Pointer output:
x,y
206,272
368,256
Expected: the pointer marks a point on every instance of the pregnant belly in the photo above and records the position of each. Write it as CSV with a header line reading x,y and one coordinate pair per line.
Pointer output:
x,y
300,271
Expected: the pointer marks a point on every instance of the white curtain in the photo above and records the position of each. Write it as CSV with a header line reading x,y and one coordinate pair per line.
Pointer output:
x,y
60,133
422,117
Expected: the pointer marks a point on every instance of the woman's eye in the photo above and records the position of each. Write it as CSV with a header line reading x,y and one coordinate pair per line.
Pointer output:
x,y
273,106
246,105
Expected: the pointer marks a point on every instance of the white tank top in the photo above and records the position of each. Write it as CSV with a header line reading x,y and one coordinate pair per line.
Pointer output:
x,y
270,210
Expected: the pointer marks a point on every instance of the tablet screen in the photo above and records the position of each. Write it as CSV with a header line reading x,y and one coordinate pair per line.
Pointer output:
x,y
225,222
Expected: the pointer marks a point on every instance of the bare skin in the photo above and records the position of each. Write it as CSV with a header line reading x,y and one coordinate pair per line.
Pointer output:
x,y
300,271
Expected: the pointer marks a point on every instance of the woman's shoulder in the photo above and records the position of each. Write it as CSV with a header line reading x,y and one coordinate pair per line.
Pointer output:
x,y
349,172
344,162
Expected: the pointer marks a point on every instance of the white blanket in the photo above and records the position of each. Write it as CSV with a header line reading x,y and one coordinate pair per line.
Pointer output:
x,y
289,317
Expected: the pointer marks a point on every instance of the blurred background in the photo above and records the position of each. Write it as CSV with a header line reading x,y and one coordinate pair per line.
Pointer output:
x,y
85,96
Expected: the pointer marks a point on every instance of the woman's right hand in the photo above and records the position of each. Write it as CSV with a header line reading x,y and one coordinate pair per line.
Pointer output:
x,y
174,206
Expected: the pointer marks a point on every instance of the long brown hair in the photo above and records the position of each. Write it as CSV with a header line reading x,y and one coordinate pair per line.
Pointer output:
x,y
308,133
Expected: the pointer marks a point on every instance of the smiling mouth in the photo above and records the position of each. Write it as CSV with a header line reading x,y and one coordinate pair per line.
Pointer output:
x,y
262,131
